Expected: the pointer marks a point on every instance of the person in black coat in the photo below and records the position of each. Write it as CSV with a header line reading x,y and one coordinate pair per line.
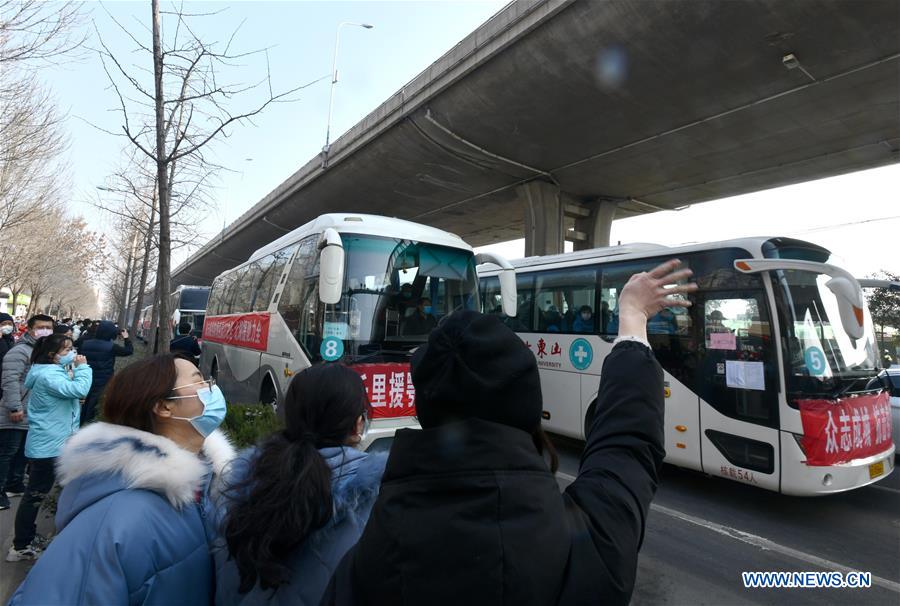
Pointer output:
x,y
470,512
101,354
185,342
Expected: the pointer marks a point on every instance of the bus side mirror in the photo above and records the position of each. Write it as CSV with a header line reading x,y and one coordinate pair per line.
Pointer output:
x,y
508,293
331,267
850,304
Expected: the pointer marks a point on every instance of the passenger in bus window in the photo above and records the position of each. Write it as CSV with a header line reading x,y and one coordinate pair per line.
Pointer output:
x,y
584,321
469,510
714,322
421,322
295,505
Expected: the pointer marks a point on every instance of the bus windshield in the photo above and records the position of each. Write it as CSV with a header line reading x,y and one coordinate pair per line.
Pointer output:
x,y
396,291
821,356
194,298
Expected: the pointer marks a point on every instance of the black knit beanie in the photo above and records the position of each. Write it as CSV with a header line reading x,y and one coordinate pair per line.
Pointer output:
x,y
474,366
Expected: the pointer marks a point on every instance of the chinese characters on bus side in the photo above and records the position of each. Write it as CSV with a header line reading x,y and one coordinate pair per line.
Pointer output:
x,y
246,330
852,428
390,389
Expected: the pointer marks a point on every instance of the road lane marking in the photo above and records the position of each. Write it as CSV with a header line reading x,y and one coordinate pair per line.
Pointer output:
x,y
766,544
887,488
762,542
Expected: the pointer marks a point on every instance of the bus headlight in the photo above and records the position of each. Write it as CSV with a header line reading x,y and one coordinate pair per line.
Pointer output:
x,y
827,480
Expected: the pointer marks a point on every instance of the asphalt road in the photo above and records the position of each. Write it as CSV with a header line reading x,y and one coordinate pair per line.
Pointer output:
x,y
703,532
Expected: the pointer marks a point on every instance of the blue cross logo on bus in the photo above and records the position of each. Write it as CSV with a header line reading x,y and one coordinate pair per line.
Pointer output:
x,y
581,354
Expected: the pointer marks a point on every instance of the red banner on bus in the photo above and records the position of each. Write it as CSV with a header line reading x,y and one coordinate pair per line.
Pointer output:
x,y
390,389
245,330
847,429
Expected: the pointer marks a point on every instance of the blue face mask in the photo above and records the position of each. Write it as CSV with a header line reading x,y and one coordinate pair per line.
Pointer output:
x,y
67,359
213,410
428,310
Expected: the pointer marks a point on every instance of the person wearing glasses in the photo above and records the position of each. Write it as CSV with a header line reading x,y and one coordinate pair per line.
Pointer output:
x,y
295,505
133,517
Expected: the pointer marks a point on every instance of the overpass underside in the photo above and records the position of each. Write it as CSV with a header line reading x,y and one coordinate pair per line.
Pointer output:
x,y
555,118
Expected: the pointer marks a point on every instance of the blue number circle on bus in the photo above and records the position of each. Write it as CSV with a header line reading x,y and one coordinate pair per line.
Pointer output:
x,y
332,349
815,361
581,354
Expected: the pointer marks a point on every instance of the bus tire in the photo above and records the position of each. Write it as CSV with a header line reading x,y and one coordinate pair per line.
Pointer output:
x,y
589,418
268,396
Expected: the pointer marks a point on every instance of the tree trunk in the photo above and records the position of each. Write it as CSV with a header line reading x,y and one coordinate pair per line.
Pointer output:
x,y
162,176
123,296
145,266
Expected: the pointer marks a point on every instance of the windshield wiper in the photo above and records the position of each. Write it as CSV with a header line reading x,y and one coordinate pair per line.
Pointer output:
x,y
381,352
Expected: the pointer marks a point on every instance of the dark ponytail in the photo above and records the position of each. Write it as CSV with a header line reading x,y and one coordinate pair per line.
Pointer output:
x,y
287,493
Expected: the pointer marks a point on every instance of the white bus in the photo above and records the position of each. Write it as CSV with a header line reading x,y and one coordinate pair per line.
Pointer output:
x,y
766,374
188,304
145,324
359,289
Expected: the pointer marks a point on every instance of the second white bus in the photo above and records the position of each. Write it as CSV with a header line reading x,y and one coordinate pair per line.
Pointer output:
x,y
766,374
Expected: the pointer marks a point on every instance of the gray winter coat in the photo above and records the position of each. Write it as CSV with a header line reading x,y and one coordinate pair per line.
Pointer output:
x,y
16,364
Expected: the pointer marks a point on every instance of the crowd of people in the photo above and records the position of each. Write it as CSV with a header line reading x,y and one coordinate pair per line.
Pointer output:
x,y
51,379
157,508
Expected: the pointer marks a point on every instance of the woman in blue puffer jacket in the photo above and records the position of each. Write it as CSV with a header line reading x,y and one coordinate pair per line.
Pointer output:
x,y
53,411
134,511
294,506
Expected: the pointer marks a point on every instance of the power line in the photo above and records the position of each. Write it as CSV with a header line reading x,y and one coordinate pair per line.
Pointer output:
x,y
838,225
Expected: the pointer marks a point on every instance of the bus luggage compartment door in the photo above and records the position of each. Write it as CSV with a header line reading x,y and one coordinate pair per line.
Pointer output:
x,y
682,424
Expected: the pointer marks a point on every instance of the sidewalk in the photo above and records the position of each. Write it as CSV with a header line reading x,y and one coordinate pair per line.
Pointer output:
x,y
12,573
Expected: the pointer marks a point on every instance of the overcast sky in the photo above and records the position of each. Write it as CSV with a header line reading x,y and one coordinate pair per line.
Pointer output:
x,y
857,216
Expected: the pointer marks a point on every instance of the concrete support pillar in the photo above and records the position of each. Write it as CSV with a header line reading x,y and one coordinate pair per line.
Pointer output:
x,y
544,218
597,225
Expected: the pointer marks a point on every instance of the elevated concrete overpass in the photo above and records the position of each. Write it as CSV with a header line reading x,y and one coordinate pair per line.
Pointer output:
x,y
557,116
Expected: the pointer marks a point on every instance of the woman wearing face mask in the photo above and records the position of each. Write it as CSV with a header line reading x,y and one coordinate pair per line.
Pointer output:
x,y
53,413
132,516
296,504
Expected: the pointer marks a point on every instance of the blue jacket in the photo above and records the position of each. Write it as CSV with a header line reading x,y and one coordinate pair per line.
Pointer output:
x,y
355,479
53,407
101,354
131,521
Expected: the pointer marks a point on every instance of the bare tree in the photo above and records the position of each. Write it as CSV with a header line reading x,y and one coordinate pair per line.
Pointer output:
x,y
32,142
33,31
185,109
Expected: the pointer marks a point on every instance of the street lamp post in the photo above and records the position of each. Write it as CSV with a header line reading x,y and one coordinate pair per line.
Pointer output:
x,y
334,79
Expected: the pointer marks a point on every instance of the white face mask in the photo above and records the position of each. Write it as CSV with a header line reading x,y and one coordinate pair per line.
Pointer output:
x,y
7,330
43,332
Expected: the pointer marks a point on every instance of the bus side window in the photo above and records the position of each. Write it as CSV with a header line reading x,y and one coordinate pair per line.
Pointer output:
x,y
566,301
243,288
298,287
215,297
262,290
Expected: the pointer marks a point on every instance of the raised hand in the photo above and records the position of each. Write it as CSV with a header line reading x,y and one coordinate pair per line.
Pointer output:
x,y
646,294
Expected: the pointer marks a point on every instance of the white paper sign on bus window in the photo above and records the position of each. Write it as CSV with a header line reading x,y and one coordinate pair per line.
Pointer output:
x,y
336,329
745,375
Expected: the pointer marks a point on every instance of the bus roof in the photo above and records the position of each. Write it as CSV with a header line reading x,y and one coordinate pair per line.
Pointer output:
x,y
357,223
184,287
640,249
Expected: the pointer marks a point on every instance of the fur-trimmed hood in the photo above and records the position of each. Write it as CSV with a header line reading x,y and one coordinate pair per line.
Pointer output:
x,y
106,458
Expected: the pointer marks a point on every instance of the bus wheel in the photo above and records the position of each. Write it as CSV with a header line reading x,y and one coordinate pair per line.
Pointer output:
x,y
589,418
267,395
